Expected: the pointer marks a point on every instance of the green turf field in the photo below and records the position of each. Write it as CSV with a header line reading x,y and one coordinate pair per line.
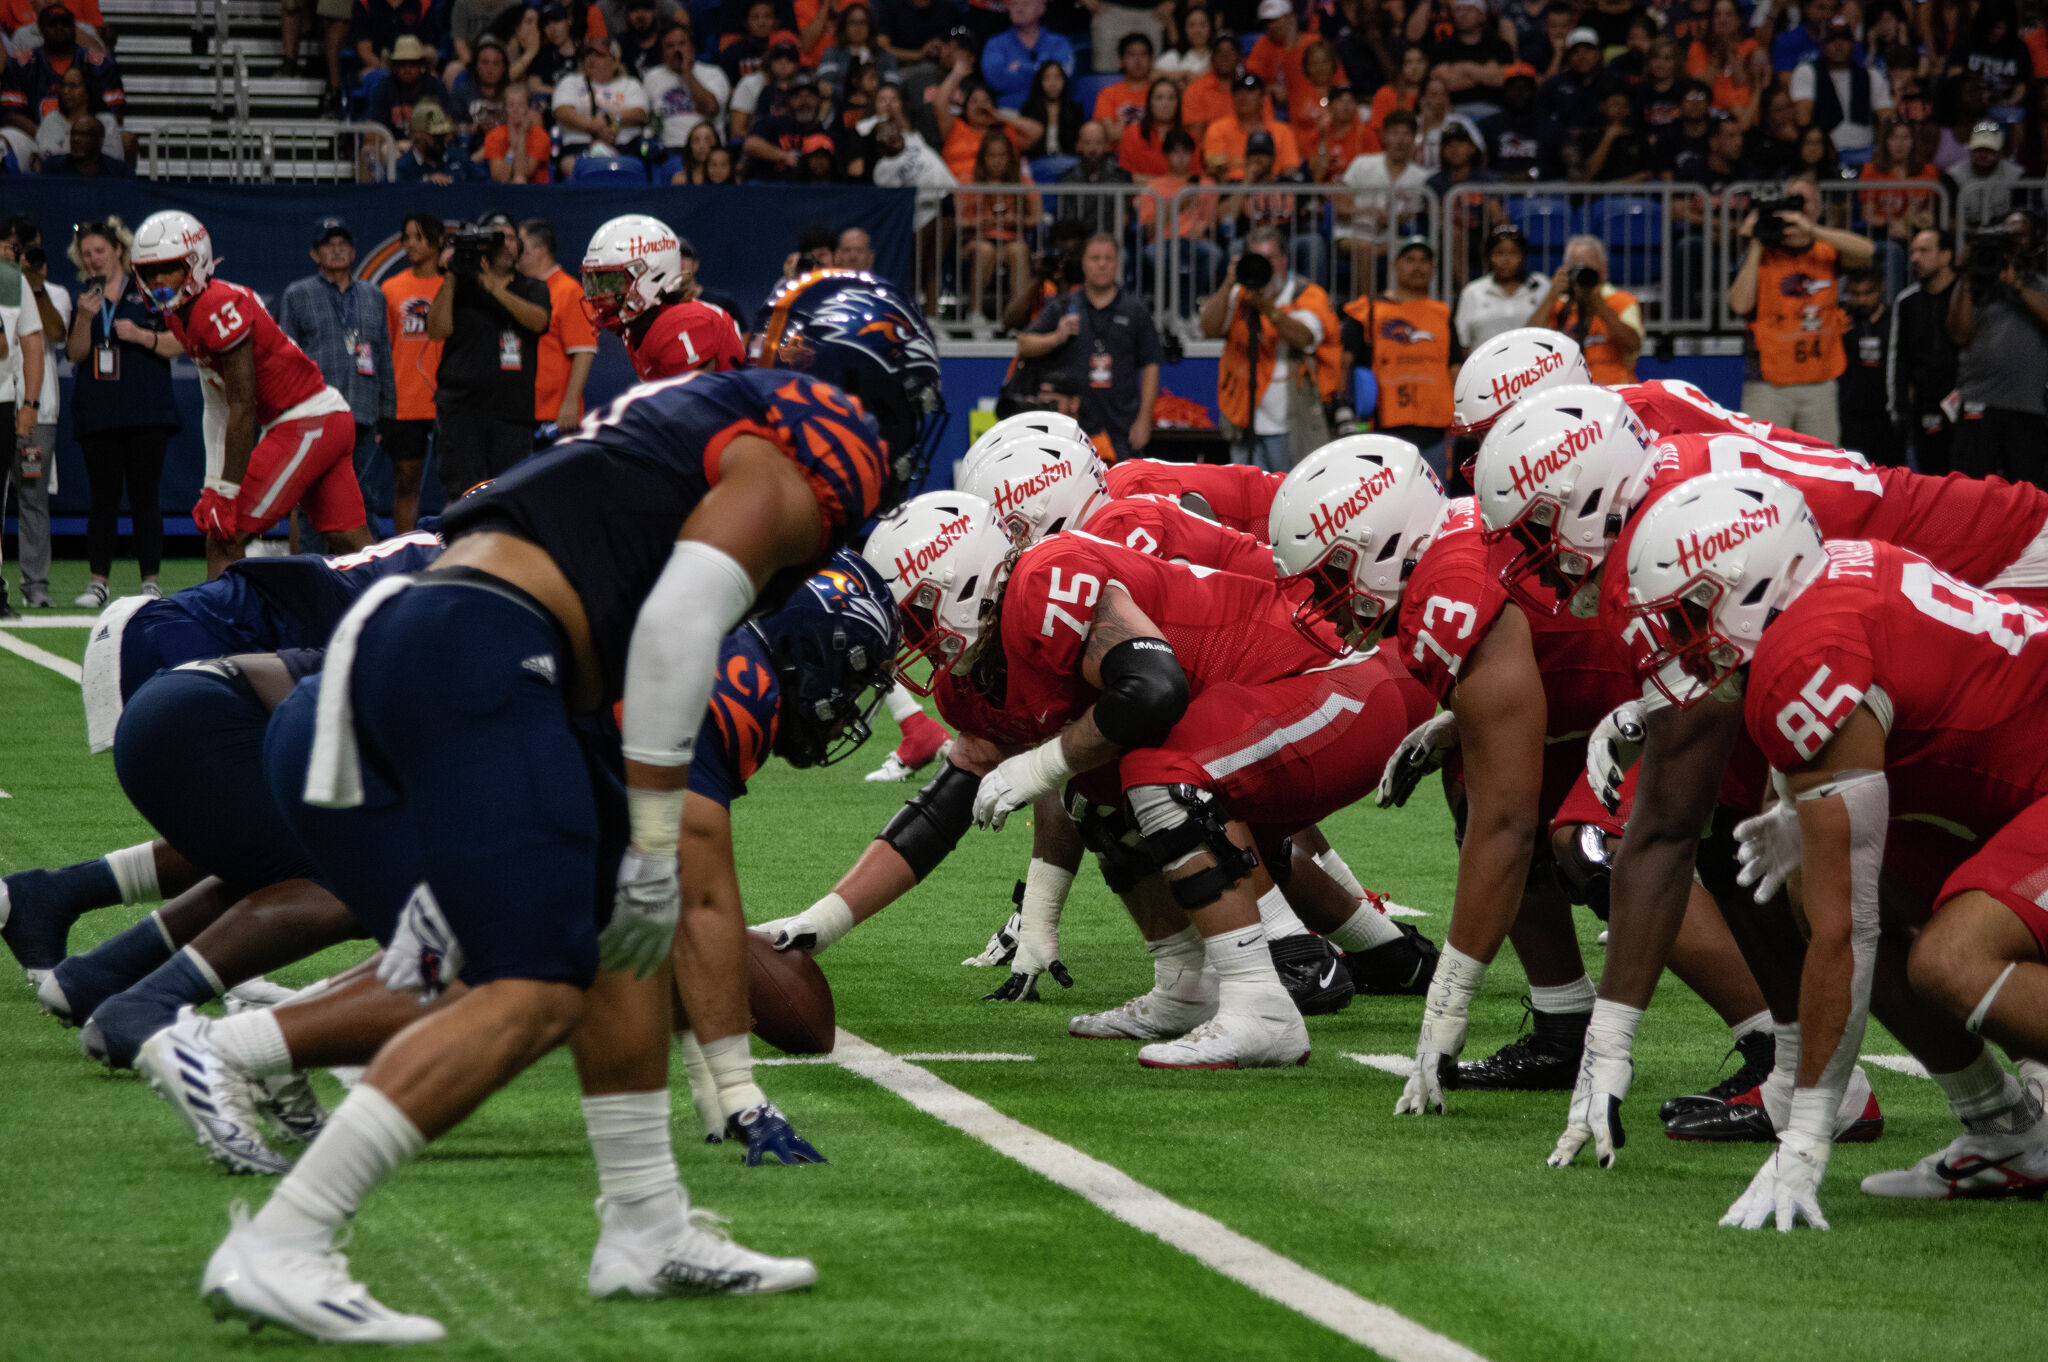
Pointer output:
x,y
930,1242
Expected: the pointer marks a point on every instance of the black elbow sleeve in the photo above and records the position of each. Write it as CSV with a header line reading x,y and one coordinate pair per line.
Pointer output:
x,y
1144,693
932,821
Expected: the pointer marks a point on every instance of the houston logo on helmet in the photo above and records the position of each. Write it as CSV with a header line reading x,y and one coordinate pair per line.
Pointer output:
x,y
1327,521
1530,474
1507,387
1695,551
912,563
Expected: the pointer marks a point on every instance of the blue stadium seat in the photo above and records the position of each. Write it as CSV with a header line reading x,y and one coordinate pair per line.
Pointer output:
x,y
605,170
666,171
1086,88
1632,226
1548,222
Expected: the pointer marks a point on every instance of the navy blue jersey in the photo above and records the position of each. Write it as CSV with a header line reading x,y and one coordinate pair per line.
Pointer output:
x,y
608,503
260,605
739,727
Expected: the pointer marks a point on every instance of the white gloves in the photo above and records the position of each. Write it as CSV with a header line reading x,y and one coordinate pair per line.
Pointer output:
x,y
1786,1189
1019,781
1038,934
815,929
1444,1014
1421,752
424,956
1604,1074
1616,744
1769,848
644,913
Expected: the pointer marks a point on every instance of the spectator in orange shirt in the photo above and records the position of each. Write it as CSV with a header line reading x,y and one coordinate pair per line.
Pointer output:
x,y
993,221
415,362
1223,144
570,343
516,151
1307,98
1207,97
1201,259
1404,90
1123,104
1341,136
1142,150
961,136
1278,54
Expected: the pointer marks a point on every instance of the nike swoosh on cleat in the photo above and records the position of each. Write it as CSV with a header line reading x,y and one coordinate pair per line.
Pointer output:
x,y
1329,976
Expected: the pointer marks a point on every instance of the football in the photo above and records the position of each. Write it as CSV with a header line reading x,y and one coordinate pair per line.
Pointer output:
x,y
790,1000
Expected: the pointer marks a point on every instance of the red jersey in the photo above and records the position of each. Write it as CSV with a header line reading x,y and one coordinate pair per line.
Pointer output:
x,y
1453,599
1158,526
1239,494
1956,674
1670,407
684,337
222,317
1222,628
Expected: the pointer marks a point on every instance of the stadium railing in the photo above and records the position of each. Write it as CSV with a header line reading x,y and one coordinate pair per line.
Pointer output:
x,y
1865,207
1981,203
267,151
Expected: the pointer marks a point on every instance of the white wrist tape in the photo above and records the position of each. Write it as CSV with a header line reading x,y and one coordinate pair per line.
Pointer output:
x,y
1813,1117
1867,799
656,818
1045,896
832,916
672,661
1042,771
1444,1012
230,490
1612,1031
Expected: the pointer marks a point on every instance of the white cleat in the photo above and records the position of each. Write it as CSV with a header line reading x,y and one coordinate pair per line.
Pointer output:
x,y
699,1260
891,770
1149,1016
291,1104
1973,1167
217,1101
304,1287
1262,1034
50,996
256,993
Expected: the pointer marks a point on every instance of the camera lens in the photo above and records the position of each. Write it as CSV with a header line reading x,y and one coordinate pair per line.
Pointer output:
x,y
1585,277
1254,271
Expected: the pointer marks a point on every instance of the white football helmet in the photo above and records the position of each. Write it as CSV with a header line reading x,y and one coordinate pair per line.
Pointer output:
x,y
946,556
173,237
1560,473
1023,423
1513,365
630,263
1350,520
1713,562
1038,484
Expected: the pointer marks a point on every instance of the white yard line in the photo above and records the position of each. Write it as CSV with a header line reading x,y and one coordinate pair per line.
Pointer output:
x,y
53,622
938,1056
1203,1238
1898,1064
63,666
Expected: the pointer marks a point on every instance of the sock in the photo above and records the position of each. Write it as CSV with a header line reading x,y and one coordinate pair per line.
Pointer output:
x,y
1240,959
365,1141
185,977
1364,929
1333,865
1177,965
1749,1026
1563,999
902,704
133,954
1277,915
253,1042
636,1165
1987,1099
134,871
731,1062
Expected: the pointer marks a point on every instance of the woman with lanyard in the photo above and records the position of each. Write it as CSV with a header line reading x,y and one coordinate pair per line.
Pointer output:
x,y
121,409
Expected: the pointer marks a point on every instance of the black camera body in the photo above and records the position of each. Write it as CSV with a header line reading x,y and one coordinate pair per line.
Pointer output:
x,y
1254,271
1585,279
472,246
1991,253
1770,221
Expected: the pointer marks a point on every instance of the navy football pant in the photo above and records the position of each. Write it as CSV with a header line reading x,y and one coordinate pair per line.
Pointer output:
x,y
161,636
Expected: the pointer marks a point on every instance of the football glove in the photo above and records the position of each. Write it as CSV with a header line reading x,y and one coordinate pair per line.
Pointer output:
x,y
1786,1189
423,955
1769,848
1033,958
1444,1014
1616,745
1002,947
1421,752
768,1133
1596,1106
215,515
816,929
1023,779
644,913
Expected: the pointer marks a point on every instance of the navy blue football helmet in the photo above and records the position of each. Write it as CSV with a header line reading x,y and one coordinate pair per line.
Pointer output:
x,y
860,334
833,644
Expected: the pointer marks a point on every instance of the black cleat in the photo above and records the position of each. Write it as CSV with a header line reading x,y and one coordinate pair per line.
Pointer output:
x,y
1759,1051
1312,971
1546,1059
1740,1120
1397,967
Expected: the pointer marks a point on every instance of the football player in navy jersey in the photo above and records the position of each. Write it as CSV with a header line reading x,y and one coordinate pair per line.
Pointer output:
x,y
432,772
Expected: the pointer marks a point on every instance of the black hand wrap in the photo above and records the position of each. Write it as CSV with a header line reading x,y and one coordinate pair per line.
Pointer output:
x,y
1144,693
932,821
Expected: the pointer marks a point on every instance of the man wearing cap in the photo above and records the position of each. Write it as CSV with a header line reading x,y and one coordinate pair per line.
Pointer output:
x,y
1520,143
1405,337
1223,145
1277,56
378,25
1980,186
777,144
1840,95
1011,60
1473,61
28,87
764,93
1571,98
410,82
340,322
490,319
684,90
434,156
1284,212
599,108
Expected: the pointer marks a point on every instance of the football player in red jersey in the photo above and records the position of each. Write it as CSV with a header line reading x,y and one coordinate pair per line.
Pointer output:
x,y
1521,688
276,434
1898,708
634,287
1565,513
1235,495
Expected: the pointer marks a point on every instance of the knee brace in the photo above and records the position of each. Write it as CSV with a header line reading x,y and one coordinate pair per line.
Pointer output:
x,y
1179,822
1584,872
1118,849
932,821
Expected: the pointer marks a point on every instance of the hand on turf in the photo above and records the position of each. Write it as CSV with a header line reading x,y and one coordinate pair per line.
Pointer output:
x,y
768,1133
1421,752
1002,947
1033,958
1441,1038
1596,1107
1769,848
215,514
1616,745
1786,1189
644,912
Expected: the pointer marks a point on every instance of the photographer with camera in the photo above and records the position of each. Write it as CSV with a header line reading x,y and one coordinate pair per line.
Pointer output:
x,y
1105,337
1787,288
1999,322
1281,358
1054,274
1606,321
489,318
